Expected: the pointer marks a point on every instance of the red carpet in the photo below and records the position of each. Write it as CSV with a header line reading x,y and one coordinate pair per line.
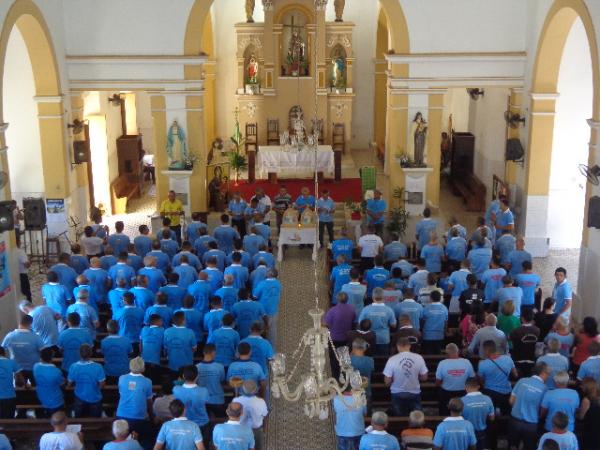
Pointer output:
x,y
340,191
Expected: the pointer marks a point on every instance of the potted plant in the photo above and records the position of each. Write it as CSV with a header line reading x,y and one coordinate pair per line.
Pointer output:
x,y
398,215
237,161
355,209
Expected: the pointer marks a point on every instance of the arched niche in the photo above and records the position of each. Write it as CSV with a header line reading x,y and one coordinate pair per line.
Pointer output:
x,y
295,48
338,68
253,66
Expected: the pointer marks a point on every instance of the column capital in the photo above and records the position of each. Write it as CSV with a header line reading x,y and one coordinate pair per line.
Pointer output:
x,y
268,5
544,95
3,127
594,124
320,5
48,98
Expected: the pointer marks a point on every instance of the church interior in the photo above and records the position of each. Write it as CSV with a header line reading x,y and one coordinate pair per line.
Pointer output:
x,y
109,107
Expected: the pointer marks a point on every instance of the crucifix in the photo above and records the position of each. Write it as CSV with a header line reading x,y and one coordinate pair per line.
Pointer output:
x,y
296,55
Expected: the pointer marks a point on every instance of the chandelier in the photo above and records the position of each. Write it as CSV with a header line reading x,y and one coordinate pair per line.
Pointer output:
x,y
316,388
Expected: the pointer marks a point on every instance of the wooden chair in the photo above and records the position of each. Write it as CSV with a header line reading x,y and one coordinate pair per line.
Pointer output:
x,y
273,132
251,137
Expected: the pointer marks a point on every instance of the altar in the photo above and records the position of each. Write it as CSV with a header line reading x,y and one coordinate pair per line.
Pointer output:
x,y
275,159
298,236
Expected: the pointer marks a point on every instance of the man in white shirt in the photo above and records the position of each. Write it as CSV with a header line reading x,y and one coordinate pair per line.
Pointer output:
x,y
370,245
60,437
254,412
24,264
402,373
92,244
264,205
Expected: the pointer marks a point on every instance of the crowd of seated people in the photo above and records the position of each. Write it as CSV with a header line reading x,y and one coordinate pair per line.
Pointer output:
x,y
459,329
124,317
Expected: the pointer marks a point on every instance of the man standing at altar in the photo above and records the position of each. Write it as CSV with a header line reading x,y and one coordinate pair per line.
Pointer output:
x,y
325,209
237,207
264,205
376,208
304,200
283,200
172,208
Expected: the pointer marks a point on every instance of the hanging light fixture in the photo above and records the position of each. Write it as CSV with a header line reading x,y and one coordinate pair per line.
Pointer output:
x,y
316,388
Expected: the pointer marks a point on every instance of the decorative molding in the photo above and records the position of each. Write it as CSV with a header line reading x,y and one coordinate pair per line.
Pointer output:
x,y
594,124
268,5
136,59
3,127
417,108
147,84
54,116
341,39
416,91
544,95
406,58
3,150
253,39
320,5
339,109
542,113
455,81
251,109
183,108
48,98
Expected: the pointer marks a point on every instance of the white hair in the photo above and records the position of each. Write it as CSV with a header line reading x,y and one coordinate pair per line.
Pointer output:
x,y
379,418
120,428
561,378
136,365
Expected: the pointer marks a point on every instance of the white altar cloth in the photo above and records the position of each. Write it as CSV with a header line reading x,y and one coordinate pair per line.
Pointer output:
x,y
297,236
272,158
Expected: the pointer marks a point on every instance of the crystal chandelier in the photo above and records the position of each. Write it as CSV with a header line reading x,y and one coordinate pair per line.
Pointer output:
x,y
316,387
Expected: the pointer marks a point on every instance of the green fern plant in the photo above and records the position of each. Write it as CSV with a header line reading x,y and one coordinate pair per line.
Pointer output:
x,y
398,215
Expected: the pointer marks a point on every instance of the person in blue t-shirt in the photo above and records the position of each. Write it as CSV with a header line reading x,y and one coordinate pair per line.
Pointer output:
x,y
378,438
153,274
456,248
174,292
590,368
225,234
144,297
56,295
504,245
226,340
268,293
517,257
88,315
377,276
201,243
124,439
425,228
99,282
115,297
343,245
88,378
201,291
71,339
479,410
212,320
245,368
451,375
349,420
228,293
66,274
134,260
108,259
232,434
78,261
162,259
495,372
179,343
193,229
162,309
131,321
214,274
435,319
340,275
509,292
492,279
479,257
192,259
264,255
49,381
167,245
454,432
122,270
116,350
44,322
562,438
10,377
325,209
118,241
433,254
236,208
143,242
560,399
262,350
246,258
194,398
135,395
24,346
504,220
395,249
247,311
211,375
562,293
238,271
304,200
193,317
151,346
526,398
382,318
253,241
180,433
376,208
529,283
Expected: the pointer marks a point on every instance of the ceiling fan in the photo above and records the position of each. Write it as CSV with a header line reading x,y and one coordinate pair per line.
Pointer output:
x,y
475,93
591,173
513,119
77,126
116,100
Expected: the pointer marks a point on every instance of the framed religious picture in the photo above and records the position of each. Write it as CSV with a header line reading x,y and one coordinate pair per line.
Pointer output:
x,y
218,176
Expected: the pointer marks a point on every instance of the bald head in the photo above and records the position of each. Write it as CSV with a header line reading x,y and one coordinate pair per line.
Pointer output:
x,y
234,411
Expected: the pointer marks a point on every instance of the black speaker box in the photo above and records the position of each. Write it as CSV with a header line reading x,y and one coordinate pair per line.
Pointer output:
x,y
463,154
594,212
7,222
81,152
35,213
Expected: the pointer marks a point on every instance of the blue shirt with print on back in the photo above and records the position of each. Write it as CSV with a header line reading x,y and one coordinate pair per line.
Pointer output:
x,y
246,312
565,441
135,261
115,299
503,219
433,255
377,440
226,340
24,347
152,342
252,242
394,251
116,350
376,277
98,281
215,278
225,235
590,368
528,282
566,342
201,292
66,275
134,391
413,310
165,313
454,373
477,408
342,246
233,436
513,293
79,263
492,278
349,418
119,242
435,316
194,398
187,275
557,363
201,244
179,434
560,400
87,314
144,297
246,370
142,244
424,229
8,368
528,393
193,321
267,257
356,295
262,351
70,340
162,259
268,293
193,230
121,270
480,260
211,376
228,296
240,275
456,249
57,297
496,373
49,380
454,433
131,321
44,325
175,295
87,376
382,317
213,319
516,259
155,277
340,275
458,279
179,343
504,245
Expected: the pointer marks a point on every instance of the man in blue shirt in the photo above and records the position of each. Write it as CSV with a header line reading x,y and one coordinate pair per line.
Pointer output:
x,y
163,260
343,245
480,258
236,208
192,259
122,270
144,297
591,366
246,259
130,321
245,368
99,282
253,241
340,275
232,434
71,339
268,293
162,309
212,320
115,297
186,273
349,420
418,280
174,292
44,322
526,399
517,257
478,409
262,350
505,220
457,284
562,293
509,292
565,439
325,209
78,261
49,381
240,274
24,346
116,350
505,245
262,229
382,318
377,276
179,433
211,375
143,242
394,250
179,343
529,282
225,234
378,438
201,243
456,248
376,208
133,259
495,372
201,291
228,293
155,276
66,274
88,378
194,398
355,291
258,274
118,241
492,279
11,376
226,340
215,275
151,345
264,255
56,295
435,318
411,308
454,432
193,229
433,254
247,311
108,259
560,399
451,375
304,200
424,229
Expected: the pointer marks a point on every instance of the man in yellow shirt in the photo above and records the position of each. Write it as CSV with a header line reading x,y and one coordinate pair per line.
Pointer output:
x,y
172,208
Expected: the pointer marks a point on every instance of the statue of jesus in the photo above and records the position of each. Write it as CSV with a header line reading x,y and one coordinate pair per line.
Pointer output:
x,y
252,70
297,48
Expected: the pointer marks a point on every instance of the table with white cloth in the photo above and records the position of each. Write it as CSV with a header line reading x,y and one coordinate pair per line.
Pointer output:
x,y
274,159
297,236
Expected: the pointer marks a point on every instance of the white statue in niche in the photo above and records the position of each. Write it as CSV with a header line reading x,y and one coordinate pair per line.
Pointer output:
x,y
176,147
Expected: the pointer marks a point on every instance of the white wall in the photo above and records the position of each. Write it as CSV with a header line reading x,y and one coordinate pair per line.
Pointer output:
x,y
570,145
20,111
457,102
486,122
144,120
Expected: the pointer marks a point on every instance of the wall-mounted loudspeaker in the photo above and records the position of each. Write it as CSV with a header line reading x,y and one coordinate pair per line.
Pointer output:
x,y
594,212
81,152
7,222
35,213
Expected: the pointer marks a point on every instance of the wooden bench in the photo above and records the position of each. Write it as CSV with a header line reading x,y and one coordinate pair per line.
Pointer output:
x,y
472,190
121,191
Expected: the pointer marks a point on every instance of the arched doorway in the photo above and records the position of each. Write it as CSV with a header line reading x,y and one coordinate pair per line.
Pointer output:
x,y
545,127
